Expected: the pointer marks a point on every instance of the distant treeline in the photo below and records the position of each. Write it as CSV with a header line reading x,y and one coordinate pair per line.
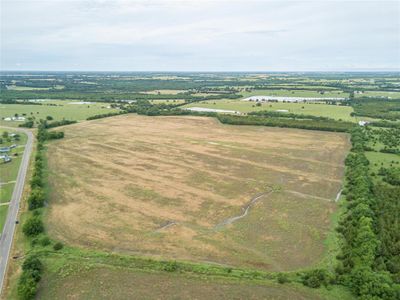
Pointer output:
x,y
263,118
33,227
10,96
100,116
310,124
376,108
268,113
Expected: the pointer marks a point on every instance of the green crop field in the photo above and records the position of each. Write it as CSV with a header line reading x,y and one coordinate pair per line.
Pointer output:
x,y
62,110
315,109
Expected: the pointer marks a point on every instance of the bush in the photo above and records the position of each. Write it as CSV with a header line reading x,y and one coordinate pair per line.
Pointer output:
x,y
45,241
58,246
171,266
27,286
283,278
32,263
315,278
33,226
31,275
36,199
372,285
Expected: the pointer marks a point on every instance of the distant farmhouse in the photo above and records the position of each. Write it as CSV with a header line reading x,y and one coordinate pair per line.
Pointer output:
x,y
19,119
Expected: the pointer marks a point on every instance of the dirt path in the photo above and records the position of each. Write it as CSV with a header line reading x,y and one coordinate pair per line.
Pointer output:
x,y
307,195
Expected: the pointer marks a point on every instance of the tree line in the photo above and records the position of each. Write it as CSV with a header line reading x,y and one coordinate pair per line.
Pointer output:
x,y
365,264
33,227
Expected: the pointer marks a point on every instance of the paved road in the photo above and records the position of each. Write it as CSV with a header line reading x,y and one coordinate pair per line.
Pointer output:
x,y
9,227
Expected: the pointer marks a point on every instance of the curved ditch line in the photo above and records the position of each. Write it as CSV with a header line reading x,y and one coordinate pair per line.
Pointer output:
x,y
246,209
168,224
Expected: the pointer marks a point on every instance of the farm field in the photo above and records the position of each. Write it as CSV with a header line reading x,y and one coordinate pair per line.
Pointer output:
x,y
191,188
64,109
323,110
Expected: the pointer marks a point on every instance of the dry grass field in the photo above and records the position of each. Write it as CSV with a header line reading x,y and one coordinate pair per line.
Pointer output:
x,y
191,188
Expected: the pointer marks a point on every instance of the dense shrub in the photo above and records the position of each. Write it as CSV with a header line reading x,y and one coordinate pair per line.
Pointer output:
x,y
58,246
315,278
36,199
32,268
33,226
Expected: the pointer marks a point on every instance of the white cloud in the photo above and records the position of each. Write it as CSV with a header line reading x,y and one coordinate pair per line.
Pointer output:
x,y
200,35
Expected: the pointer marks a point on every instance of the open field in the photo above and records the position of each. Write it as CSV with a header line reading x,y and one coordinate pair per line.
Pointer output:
x,y
28,88
64,109
295,93
315,109
379,160
178,187
164,92
78,280
393,95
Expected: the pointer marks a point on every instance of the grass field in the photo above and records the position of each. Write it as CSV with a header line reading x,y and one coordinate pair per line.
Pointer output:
x,y
64,109
324,110
393,95
28,88
3,216
296,93
169,186
78,280
164,92
379,160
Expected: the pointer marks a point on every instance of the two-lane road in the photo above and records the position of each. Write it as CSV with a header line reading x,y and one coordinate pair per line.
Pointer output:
x,y
9,227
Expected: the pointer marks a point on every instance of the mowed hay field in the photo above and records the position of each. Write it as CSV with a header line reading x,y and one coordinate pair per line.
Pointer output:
x,y
172,186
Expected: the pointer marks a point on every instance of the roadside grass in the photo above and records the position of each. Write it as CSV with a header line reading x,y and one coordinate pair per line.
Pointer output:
x,y
6,191
63,110
3,216
316,109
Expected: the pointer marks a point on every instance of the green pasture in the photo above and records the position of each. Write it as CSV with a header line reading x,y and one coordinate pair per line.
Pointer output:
x,y
315,109
61,109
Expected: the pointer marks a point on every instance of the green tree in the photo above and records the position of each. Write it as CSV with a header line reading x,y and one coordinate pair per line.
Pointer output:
x,y
33,226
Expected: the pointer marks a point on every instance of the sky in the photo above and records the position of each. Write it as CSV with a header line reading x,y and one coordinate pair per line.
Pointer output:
x,y
199,35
